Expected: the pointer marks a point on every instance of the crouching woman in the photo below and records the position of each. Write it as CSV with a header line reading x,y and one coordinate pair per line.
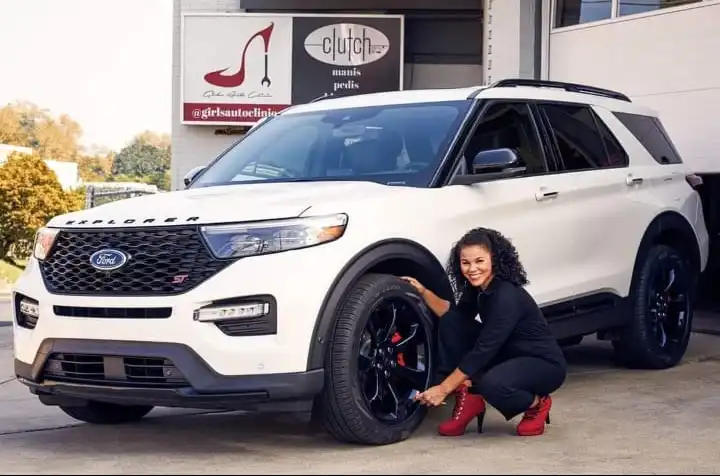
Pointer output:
x,y
494,345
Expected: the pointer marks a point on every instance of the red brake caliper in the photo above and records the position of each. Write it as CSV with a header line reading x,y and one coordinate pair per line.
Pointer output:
x,y
395,339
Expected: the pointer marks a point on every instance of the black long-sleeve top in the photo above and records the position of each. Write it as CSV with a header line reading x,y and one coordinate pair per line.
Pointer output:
x,y
512,326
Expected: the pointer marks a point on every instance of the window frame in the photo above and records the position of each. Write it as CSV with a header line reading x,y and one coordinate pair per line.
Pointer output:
x,y
616,17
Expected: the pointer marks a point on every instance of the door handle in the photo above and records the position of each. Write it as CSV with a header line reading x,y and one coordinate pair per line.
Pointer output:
x,y
545,194
630,180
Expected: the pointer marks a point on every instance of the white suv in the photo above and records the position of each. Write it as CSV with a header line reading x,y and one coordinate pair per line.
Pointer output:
x,y
272,281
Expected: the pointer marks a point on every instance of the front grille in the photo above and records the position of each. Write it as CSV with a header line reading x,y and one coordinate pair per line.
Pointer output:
x,y
112,370
163,261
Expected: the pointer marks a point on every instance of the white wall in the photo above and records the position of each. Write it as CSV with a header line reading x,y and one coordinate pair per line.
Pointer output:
x,y
668,60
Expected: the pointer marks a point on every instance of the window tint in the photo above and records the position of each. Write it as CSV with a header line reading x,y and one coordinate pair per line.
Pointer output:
x,y
580,143
508,125
630,7
574,12
652,135
616,155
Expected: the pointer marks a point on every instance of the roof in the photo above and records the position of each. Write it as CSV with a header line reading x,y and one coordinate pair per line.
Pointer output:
x,y
458,94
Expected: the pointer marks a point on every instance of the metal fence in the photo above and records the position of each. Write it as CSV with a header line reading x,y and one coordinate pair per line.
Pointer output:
x,y
101,193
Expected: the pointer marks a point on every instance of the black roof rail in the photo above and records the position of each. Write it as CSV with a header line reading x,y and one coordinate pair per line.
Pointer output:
x,y
569,87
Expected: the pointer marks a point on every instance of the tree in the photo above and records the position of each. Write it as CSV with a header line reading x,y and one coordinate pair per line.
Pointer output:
x,y
146,159
25,124
30,195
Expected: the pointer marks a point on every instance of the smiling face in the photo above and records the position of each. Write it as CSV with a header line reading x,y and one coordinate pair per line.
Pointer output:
x,y
476,265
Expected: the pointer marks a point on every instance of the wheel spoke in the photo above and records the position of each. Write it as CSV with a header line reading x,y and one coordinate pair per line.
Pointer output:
x,y
413,376
400,346
391,326
377,387
388,385
671,280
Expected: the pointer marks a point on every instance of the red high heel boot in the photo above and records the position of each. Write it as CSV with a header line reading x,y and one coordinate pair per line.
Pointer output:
x,y
535,419
467,407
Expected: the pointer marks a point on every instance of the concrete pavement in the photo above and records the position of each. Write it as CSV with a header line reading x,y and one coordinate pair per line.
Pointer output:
x,y
606,421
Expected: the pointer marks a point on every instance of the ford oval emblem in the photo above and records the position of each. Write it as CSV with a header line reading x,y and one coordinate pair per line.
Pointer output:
x,y
108,260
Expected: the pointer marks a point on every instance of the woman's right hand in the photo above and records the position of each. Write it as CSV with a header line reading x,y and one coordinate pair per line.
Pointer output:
x,y
416,284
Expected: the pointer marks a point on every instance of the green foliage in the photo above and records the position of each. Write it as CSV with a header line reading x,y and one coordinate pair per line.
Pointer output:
x,y
30,195
145,159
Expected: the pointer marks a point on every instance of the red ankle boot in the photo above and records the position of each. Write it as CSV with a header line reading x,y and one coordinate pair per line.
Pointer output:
x,y
534,420
467,407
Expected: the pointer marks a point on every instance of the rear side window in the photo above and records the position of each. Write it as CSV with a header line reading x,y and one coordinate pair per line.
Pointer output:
x,y
583,141
652,135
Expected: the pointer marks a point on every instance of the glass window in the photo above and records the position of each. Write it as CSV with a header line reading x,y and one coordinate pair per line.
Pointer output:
x,y
509,125
650,132
630,7
574,12
395,145
579,141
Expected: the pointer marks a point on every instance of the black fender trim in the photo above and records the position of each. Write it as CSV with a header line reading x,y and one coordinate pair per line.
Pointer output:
x,y
371,256
662,225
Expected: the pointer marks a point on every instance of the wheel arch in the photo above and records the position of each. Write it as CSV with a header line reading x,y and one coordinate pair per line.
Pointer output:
x,y
399,257
672,229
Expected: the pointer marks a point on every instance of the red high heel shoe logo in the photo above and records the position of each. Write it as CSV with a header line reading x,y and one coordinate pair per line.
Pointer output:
x,y
220,79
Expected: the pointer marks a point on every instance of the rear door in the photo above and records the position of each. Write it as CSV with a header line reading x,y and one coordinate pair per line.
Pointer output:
x,y
605,213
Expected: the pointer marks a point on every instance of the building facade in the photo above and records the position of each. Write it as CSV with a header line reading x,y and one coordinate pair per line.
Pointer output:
x,y
659,52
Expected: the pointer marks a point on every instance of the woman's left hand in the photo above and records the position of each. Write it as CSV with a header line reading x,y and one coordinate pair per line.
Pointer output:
x,y
434,396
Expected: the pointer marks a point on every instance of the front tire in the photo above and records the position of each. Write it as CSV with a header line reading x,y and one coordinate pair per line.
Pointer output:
x,y
661,313
103,413
367,385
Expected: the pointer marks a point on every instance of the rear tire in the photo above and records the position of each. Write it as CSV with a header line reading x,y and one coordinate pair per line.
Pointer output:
x,y
365,396
103,413
661,312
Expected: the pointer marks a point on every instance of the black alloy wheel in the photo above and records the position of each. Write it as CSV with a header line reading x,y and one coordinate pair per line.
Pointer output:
x,y
393,357
668,305
661,313
380,350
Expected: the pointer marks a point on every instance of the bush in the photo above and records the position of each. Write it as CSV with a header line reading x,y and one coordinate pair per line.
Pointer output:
x,y
30,195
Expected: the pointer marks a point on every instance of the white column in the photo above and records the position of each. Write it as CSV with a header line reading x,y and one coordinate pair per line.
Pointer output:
x,y
510,40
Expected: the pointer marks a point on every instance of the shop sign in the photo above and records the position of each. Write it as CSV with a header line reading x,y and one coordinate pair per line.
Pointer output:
x,y
239,68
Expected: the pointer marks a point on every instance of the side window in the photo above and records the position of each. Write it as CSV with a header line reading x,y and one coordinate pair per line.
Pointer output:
x,y
508,125
650,132
583,142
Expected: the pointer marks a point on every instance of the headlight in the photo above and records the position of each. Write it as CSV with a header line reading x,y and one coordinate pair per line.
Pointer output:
x,y
44,241
249,239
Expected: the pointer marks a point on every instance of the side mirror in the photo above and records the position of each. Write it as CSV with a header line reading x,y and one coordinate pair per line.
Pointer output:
x,y
495,159
490,165
190,176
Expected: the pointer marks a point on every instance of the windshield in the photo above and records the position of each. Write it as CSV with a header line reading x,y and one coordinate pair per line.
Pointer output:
x,y
395,145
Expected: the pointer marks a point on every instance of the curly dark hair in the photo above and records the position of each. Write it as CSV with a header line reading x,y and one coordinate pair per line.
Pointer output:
x,y
505,260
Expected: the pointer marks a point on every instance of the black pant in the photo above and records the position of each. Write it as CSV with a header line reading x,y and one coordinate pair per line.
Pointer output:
x,y
511,385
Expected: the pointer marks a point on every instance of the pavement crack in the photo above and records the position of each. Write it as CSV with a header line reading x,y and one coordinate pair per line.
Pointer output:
x,y
3,382
35,430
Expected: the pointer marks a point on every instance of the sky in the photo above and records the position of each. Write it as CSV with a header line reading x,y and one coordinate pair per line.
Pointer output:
x,y
107,64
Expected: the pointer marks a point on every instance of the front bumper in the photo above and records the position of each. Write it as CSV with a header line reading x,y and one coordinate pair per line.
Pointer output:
x,y
199,387
285,351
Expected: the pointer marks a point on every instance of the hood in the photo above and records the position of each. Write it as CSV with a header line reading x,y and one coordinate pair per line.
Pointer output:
x,y
222,204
